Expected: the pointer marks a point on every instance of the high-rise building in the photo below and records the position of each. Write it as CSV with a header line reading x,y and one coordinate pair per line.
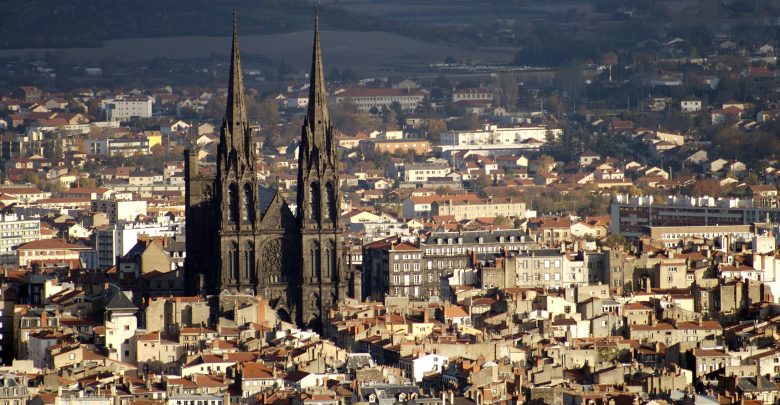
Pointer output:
x,y
243,239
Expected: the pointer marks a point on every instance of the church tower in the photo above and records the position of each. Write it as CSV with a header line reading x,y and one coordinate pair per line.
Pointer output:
x,y
318,202
237,186
244,240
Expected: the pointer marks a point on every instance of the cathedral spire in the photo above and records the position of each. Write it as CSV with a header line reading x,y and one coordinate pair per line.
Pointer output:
x,y
317,116
236,109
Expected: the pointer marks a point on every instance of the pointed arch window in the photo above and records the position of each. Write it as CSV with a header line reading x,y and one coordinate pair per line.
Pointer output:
x,y
232,265
330,200
314,201
315,260
330,257
249,262
249,204
232,199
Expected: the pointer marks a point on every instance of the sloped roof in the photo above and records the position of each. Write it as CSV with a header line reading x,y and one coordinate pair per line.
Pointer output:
x,y
120,301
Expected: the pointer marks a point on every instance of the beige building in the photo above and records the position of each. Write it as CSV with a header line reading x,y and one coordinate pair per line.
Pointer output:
x,y
157,355
481,209
671,236
418,146
548,268
670,274
169,314
670,334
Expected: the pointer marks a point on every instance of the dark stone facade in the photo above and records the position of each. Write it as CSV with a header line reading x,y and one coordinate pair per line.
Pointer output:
x,y
243,238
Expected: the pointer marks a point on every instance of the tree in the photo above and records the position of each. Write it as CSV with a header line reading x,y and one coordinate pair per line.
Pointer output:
x,y
158,150
546,162
609,59
390,120
433,128
501,220
266,112
31,177
706,187
88,182
443,83
615,241
442,190
506,88
481,182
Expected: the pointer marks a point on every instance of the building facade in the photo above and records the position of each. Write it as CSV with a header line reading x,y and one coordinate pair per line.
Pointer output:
x,y
632,217
16,230
256,244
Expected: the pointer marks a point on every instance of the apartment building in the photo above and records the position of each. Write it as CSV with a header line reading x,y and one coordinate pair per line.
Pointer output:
x,y
125,107
422,172
671,236
119,146
549,268
375,99
633,217
472,94
492,207
116,240
494,138
120,210
397,268
16,230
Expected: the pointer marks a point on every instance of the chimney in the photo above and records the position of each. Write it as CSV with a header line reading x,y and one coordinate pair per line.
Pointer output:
x,y
426,315
44,319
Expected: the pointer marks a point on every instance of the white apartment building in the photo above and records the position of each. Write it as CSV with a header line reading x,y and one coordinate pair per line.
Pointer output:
x,y
124,146
125,107
415,368
423,171
117,239
16,230
491,137
478,94
120,210
479,209
375,99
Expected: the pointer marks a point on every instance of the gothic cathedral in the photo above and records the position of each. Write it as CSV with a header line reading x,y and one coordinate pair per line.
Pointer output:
x,y
243,238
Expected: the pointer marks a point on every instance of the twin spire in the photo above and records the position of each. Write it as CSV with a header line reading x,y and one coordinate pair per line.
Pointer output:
x,y
317,121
